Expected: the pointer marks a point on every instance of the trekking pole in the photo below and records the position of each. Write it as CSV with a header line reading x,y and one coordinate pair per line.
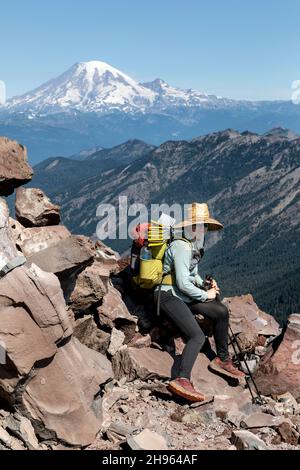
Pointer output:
x,y
158,299
236,353
235,344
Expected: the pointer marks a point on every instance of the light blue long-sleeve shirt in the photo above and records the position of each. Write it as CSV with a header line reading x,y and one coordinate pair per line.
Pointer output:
x,y
178,259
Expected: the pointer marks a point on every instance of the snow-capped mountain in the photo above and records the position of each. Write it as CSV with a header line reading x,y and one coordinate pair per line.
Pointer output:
x,y
98,87
93,104
86,86
167,95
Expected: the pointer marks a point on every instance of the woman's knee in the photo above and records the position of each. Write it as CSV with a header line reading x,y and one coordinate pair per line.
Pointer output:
x,y
198,336
222,312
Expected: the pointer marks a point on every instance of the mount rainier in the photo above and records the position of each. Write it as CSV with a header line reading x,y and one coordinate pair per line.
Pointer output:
x,y
94,104
98,87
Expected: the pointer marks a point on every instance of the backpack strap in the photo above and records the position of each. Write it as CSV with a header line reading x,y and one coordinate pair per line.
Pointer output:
x,y
169,279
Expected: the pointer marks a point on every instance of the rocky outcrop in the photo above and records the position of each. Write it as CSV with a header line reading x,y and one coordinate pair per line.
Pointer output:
x,y
16,228
246,440
279,370
90,287
146,363
88,333
8,250
107,257
22,428
34,208
35,291
147,440
248,322
66,258
14,168
113,313
39,373
42,358
150,363
63,396
35,239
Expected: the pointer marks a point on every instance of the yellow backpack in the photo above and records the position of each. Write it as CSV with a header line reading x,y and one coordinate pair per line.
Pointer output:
x,y
151,273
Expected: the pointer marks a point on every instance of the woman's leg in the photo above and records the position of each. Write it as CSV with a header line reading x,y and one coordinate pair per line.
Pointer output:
x,y
181,315
216,311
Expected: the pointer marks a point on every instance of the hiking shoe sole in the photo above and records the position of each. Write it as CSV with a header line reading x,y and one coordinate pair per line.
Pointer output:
x,y
183,393
216,368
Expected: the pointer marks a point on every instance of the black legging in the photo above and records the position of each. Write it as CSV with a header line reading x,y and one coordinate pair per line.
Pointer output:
x,y
182,315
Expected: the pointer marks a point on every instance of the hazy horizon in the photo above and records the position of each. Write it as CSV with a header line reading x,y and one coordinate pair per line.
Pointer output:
x,y
215,47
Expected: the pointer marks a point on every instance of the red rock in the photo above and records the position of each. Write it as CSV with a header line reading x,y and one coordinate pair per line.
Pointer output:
x,y
149,363
89,288
66,256
16,228
53,378
107,256
246,440
34,208
140,341
8,250
123,263
40,294
88,333
296,422
37,333
249,322
35,239
288,434
212,384
25,344
22,428
14,167
279,369
147,440
116,341
179,345
62,395
9,441
146,363
113,313
261,420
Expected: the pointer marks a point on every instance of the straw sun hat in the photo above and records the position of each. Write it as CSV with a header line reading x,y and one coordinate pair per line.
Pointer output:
x,y
199,214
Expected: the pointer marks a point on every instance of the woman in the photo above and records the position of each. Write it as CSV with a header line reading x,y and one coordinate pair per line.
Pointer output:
x,y
185,298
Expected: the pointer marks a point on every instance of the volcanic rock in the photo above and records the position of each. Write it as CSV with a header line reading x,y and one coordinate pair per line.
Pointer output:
x,y
279,370
34,208
113,313
249,322
14,168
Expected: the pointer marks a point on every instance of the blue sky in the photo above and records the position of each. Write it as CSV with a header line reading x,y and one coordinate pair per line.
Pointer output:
x,y
233,48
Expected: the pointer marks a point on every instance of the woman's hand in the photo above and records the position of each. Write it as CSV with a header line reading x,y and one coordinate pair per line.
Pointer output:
x,y
214,285
212,293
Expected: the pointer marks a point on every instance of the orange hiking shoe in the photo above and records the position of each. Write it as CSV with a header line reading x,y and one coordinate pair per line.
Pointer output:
x,y
226,368
185,389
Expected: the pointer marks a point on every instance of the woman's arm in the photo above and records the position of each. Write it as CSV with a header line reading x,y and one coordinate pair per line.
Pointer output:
x,y
198,281
184,280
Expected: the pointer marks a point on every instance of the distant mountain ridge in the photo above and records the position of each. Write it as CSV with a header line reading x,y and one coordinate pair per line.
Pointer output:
x,y
93,104
98,87
86,153
57,173
251,183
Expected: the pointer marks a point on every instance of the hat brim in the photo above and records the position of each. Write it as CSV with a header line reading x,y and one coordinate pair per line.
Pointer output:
x,y
212,224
